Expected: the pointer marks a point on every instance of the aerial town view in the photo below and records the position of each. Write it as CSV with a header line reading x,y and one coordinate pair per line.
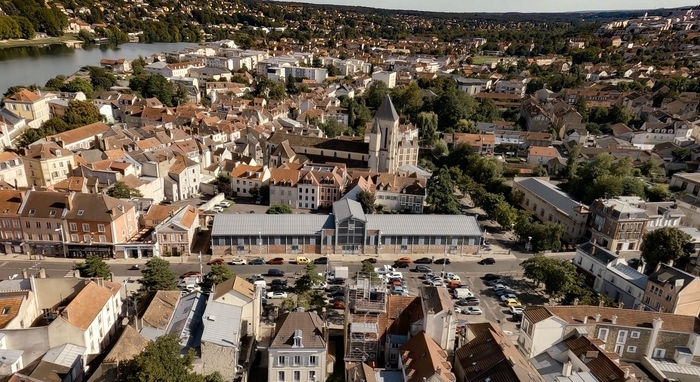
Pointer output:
x,y
344,191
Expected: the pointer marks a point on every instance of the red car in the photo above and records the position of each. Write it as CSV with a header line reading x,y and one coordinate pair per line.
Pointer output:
x,y
190,274
216,262
339,304
276,261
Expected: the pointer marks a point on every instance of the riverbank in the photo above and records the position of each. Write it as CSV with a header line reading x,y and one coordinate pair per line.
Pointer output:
x,y
18,43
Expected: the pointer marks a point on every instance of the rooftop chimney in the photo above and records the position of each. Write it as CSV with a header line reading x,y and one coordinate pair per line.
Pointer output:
x,y
585,319
567,369
614,319
670,263
597,317
64,314
69,201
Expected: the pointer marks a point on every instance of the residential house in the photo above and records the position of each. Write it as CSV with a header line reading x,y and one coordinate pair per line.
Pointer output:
x,y
389,78
536,117
481,143
30,106
176,235
10,203
423,360
283,186
241,293
220,343
79,138
608,273
298,349
618,224
550,204
119,65
540,156
12,170
629,335
46,164
94,223
672,290
473,86
321,185
489,354
400,193
245,177
41,217
90,318
184,176
439,321
511,87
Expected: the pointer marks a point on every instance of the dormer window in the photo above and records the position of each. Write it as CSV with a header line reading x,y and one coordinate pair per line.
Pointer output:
x,y
52,213
32,212
5,211
297,339
81,212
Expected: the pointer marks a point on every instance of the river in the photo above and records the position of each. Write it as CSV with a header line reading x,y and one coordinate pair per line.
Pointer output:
x,y
36,65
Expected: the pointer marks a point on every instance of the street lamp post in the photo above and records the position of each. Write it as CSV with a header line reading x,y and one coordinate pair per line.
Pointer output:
x,y
63,239
444,262
260,242
529,245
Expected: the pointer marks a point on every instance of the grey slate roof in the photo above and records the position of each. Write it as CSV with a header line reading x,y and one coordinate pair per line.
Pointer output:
x,y
386,111
600,254
344,209
552,194
186,320
270,225
632,275
222,323
309,323
421,225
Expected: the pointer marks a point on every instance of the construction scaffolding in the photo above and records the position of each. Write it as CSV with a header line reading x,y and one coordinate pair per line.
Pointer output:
x,y
366,299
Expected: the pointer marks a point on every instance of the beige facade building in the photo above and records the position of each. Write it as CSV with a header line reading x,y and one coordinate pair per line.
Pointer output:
x,y
30,106
46,164
550,204
670,290
618,224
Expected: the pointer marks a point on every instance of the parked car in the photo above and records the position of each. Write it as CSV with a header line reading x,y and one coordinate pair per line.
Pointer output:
x,y
338,304
423,260
473,310
487,261
278,282
333,288
190,274
402,264
465,301
320,286
275,272
422,269
498,287
216,262
225,204
370,260
501,292
339,293
404,259
399,290
256,277
276,294
516,310
437,283
237,261
278,288
321,260
218,209
458,310
491,276
276,261
442,261
336,281
135,267
495,282
507,296
472,301
258,261
513,302
485,247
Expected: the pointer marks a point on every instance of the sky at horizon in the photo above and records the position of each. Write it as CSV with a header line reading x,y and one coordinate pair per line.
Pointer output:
x,y
508,5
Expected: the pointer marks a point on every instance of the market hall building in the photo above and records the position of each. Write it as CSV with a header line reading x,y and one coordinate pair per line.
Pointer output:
x,y
347,230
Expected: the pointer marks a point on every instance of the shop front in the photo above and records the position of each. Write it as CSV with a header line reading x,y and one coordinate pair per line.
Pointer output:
x,y
83,251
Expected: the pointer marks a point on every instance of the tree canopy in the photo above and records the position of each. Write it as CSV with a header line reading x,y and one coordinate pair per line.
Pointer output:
x,y
161,361
278,209
93,266
218,274
121,191
441,193
558,276
157,275
665,244
367,201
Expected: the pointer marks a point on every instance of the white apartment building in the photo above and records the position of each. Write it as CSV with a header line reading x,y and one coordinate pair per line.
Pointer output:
x,y
389,78
297,350
245,177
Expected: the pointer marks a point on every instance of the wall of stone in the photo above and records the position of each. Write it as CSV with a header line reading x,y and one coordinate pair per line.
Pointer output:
x,y
219,358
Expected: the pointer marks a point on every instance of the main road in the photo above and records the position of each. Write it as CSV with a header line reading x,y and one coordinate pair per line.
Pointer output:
x,y
509,265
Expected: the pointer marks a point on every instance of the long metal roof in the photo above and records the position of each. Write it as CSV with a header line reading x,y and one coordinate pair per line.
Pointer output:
x,y
552,194
311,224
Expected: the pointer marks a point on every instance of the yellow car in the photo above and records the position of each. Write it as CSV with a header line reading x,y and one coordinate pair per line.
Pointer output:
x,y
513,302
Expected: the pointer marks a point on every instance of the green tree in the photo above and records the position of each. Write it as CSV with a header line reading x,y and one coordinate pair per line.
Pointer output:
x,y
427,123
367,271
680,154
303,285
505,214
665,244
452,106
278,209
557,275
218,274
291,85
81,113
375,94
652,169
487,111
26,27
440,149
138,66
79,85
572,162
161,361
464,126
121,191
157,275
441,193
55,84
658,193
93,266
331,128
367,201
100,78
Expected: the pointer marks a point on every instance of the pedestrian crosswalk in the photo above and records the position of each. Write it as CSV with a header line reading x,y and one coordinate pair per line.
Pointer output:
x,y
69,274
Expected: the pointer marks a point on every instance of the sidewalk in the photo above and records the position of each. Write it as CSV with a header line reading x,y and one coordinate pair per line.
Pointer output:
x,y
193,258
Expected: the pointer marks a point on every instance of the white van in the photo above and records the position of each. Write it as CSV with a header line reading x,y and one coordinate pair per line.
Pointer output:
x,y
189,281
260,284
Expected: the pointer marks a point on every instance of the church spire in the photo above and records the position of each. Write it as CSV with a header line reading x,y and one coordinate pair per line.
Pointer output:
x,y
386,111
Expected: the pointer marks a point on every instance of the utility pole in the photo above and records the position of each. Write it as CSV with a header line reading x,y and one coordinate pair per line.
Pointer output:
x,y
201,268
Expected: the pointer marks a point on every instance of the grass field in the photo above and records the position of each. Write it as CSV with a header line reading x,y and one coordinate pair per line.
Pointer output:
x,y
38,41
478,60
